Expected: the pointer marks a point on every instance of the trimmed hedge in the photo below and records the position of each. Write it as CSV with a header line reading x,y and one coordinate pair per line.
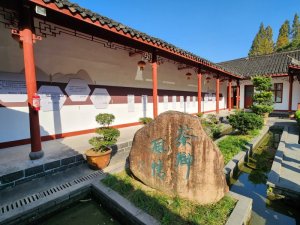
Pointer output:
x,y
297,116
245,122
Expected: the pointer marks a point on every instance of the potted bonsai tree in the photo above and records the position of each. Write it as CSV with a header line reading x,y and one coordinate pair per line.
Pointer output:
x,y
98,157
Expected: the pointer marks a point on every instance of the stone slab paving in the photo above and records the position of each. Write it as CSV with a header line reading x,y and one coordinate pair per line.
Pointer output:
x,y
284,177
290,167
17,158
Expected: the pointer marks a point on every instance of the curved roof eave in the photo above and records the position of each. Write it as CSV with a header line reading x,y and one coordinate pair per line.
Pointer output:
x,y
77,12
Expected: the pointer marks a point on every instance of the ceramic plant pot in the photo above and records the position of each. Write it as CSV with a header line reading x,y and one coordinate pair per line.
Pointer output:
x,y
98,160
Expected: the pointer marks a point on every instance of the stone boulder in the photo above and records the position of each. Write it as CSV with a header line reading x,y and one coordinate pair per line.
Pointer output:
x,y
173,154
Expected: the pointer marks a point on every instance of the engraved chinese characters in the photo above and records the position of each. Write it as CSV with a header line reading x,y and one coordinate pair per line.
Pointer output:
x,y
173,154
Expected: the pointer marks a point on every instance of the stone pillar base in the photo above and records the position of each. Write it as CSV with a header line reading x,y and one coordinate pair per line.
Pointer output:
x,y
36,155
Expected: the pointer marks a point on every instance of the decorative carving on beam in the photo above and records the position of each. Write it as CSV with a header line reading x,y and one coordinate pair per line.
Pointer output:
x,y
183,66
45,29
9,18
135,52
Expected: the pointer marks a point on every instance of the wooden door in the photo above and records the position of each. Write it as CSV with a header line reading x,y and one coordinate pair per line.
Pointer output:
x,y
233,97
249,91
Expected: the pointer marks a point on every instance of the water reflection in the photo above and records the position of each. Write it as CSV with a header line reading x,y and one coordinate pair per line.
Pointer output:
x,y
262,212
251,182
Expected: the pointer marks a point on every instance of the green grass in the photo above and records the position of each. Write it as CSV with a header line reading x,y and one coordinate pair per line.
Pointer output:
x,y
233,144
166,209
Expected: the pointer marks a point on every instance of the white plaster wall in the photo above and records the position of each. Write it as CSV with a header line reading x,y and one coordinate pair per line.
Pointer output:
x,y
61,58
14,124
285,97
296,95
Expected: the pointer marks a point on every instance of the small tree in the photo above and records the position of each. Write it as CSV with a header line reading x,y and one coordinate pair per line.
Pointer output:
x,y
263,97
107,135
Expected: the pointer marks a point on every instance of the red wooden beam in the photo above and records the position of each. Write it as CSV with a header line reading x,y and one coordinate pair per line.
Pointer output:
x,y
154,83
229,95
28,38
237,94
291,80
199,90
218,94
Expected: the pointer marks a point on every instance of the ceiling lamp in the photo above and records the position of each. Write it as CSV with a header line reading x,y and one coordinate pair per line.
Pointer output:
x,y
141,64
188,75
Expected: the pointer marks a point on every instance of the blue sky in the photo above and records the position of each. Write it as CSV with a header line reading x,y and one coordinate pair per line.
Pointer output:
x,y
217,30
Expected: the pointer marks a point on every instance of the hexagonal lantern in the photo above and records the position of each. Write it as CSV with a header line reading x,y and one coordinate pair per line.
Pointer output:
x,y
78,90
100,98
52,98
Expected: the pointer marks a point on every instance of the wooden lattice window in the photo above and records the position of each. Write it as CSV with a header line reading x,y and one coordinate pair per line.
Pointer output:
x,y
278,90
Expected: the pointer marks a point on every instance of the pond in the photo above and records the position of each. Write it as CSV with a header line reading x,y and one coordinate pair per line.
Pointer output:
x,y
87,212
251,182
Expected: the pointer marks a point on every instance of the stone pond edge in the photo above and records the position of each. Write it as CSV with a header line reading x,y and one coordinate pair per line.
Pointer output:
x,y
233,165
239,216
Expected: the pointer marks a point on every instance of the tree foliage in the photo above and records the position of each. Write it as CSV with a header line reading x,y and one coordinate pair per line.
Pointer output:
x,y
107,135
295,33
283,36
288,38
263,97
263,42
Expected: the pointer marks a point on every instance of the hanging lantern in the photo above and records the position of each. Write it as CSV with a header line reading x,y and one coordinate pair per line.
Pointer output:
x,y
141,64
208,79
188,75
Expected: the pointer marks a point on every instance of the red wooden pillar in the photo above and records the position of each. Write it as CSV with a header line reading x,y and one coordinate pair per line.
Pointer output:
x,y
199,91
154,84
229,95
237,94
28,38
291,80
217,94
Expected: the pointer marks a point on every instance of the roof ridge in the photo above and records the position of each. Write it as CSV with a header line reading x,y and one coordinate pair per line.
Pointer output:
x,y
261,56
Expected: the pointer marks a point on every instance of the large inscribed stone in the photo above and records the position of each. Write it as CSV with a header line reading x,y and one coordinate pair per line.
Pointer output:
x,y
173,154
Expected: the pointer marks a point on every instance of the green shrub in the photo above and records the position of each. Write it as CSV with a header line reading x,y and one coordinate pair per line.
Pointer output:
x,y
107,135
145,120
105,119
200,115
216,131
211,126
261,109
212,118
245,122
297,116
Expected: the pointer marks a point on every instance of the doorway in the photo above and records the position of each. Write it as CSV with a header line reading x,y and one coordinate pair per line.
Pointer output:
x,y
249,91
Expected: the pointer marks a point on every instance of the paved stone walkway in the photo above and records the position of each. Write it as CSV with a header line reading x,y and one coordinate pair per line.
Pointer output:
x,y
290,166
17,158
284,176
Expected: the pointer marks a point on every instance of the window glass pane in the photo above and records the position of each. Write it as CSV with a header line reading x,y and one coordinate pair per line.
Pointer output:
x,y
278,96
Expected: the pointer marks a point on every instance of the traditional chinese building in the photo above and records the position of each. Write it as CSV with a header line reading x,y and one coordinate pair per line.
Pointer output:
x,y
283,67
80,64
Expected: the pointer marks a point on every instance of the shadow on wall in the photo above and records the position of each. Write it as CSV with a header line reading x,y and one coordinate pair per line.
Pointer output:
x,y
15,128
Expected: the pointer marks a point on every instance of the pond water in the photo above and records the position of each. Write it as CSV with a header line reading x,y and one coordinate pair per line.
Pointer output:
x,y
251,182
81,213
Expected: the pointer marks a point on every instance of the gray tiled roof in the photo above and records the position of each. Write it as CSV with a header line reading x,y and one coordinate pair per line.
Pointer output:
x,y
86,13
272,64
